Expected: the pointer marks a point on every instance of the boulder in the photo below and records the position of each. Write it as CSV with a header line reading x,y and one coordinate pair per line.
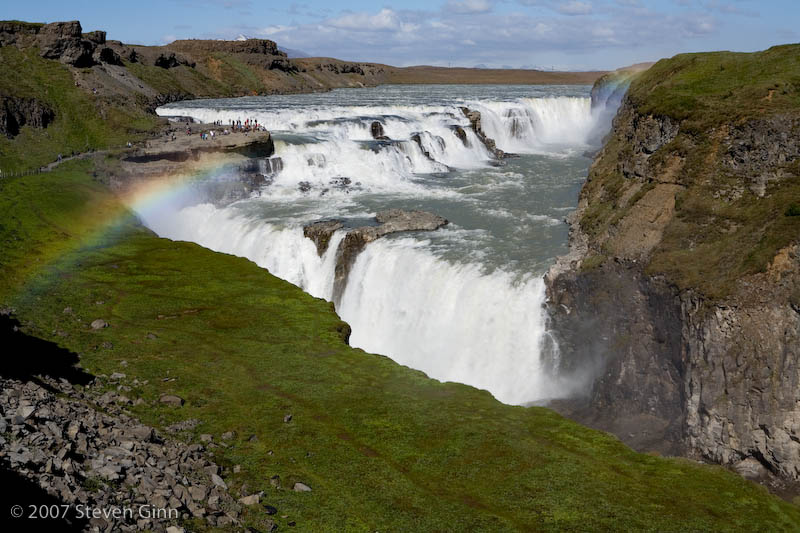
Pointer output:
x,y
301,487
99,324
376,129
253,499
218,482
171,399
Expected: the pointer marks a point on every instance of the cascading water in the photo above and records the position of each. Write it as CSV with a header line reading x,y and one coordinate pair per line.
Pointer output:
x,y
463,303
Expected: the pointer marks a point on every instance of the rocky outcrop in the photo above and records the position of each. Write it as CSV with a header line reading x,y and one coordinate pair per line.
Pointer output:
x,y
281,63
389,221
62,41
645,135
708,369
18,112
474,118
172,60
107,55
342,67
248,46
247,155
759,152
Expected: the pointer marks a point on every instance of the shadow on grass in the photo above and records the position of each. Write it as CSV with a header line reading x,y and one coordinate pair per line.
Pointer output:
x,y
25,357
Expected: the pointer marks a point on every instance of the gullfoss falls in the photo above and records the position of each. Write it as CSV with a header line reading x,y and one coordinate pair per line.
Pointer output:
x,y
462,303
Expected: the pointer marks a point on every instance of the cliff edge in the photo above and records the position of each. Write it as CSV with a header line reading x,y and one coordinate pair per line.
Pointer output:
x,y
680,298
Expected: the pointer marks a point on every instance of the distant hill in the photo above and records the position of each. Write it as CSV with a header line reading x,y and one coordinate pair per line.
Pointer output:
x,y
291,53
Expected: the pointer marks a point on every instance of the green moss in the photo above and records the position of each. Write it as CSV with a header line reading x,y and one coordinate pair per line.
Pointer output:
x,y
793,210
383,447
592,262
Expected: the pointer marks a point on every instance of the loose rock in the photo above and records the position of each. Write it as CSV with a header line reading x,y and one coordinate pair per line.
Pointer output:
x,y
171,399
99,324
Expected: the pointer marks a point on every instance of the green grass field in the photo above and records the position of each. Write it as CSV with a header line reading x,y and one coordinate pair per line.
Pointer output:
x,y
383,447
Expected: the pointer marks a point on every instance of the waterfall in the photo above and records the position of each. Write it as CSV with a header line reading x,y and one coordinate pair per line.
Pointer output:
x,y
405,298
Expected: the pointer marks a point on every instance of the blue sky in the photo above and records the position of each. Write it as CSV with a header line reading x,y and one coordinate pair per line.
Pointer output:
x,y
560,34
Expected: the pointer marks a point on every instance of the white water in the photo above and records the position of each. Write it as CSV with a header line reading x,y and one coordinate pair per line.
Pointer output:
x,y
462,304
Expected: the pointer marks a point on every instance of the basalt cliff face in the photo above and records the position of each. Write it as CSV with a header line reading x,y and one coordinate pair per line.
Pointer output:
x,y
680,299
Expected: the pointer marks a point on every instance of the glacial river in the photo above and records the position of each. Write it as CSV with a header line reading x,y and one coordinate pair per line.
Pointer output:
x,y
463,303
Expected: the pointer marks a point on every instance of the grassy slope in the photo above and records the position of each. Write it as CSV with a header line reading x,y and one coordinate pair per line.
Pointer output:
x,y
712,241
383,447
82,121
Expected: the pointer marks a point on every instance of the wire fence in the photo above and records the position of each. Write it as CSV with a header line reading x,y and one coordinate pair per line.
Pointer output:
x,y
5,174
51,166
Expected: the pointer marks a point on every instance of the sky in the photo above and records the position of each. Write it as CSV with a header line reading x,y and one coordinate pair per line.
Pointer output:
x,y
544,34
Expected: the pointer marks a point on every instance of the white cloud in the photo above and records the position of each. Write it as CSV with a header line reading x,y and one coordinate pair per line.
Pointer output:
x,y
575,8
386,19
572,33
275,29
468,6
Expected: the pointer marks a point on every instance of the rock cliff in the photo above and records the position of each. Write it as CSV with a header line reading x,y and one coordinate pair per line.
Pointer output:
x,y
679,300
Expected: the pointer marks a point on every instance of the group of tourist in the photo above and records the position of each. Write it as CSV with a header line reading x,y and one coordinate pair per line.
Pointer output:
x,y
235,126
247,125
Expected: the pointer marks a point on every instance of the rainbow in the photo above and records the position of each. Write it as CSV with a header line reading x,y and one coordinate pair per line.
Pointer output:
x,y
105,218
